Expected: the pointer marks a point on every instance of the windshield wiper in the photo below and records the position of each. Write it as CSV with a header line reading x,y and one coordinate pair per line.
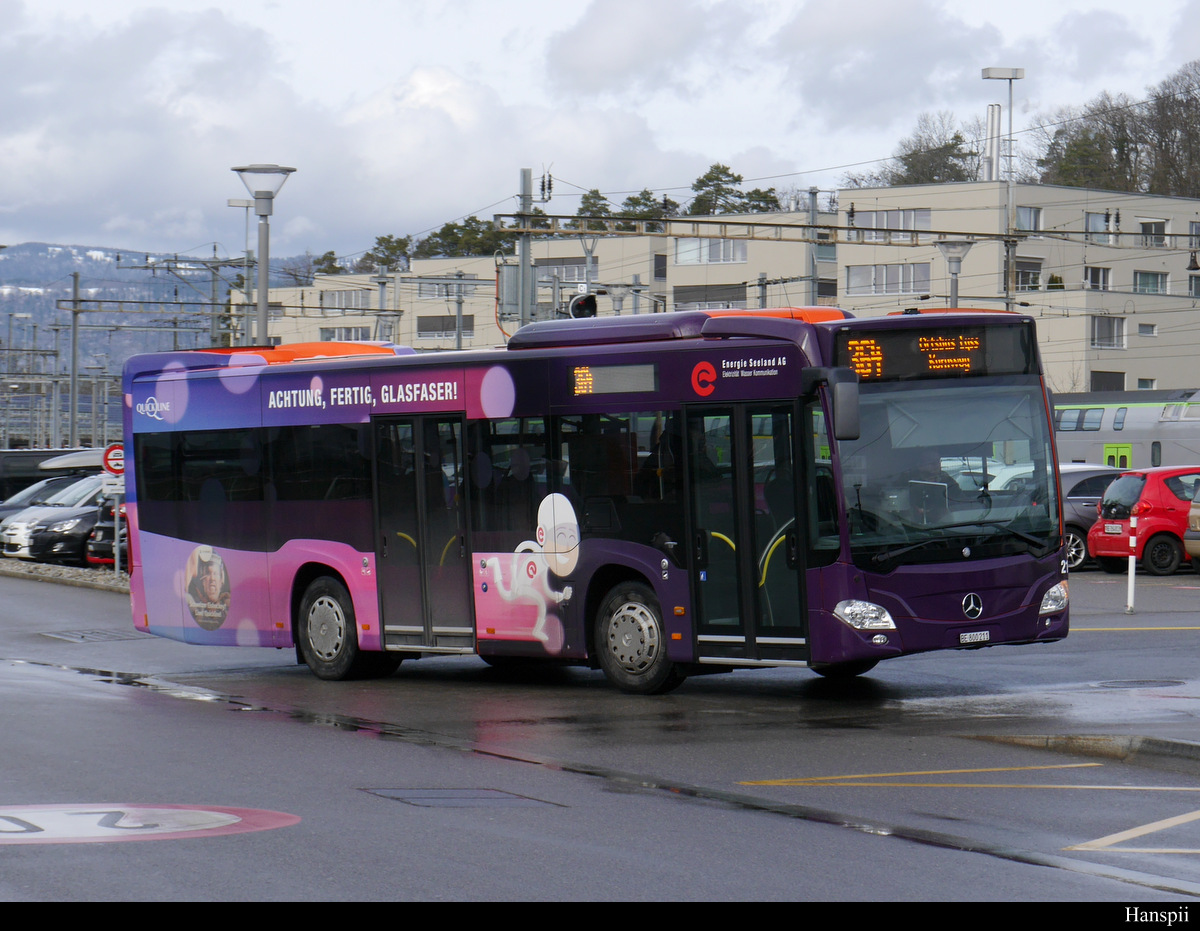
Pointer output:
x,y
900,551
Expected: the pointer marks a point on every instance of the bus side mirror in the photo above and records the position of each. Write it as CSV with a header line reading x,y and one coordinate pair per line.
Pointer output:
x,y
843,397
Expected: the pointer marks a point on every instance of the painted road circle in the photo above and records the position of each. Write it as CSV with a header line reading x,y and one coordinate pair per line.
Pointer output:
x,y
105,824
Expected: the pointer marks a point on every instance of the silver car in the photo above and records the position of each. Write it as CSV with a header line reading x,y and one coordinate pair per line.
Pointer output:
x,y
16,530
1083,485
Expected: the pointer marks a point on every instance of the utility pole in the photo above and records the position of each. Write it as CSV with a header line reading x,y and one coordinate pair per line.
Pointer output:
x,y
74,360
177,266
812,249
458,301
525,276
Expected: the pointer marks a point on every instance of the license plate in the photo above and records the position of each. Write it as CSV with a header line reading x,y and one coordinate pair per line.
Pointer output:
x,y
1112,528
975,636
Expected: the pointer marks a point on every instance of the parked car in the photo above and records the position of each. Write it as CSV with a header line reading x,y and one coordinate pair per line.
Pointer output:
x,y
1160,499
1191,537
37,493
1083,486
18,530
100,541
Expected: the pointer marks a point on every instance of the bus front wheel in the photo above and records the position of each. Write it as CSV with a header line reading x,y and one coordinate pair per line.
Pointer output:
x,y
631,642
329,639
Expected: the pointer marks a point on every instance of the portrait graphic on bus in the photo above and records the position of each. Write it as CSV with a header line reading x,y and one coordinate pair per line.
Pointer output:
x,y
207,587
519,593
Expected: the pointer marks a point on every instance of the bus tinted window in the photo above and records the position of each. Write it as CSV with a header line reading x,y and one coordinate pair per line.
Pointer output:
x,y
325,462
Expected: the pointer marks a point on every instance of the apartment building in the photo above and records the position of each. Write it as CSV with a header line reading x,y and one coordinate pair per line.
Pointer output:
x,y
471,302
1112,278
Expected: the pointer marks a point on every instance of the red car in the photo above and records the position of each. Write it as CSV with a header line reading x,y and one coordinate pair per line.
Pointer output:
x,y
1160,499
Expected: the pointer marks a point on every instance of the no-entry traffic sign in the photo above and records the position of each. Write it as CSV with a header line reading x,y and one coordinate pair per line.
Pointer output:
x,y
114,459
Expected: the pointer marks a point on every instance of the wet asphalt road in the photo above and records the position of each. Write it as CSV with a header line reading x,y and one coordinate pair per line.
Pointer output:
x,y
1060,772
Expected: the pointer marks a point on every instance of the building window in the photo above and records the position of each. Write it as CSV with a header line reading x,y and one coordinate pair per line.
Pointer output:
x,y
826,251
1108,332
1147,329
342,334
345,299
1194,235
443,326
433,290
1147,384
1096,228
1194,285
1107,381
887,279
1154,233
570,269
1029,219
710,297
660,267
879,225
1150,282
1096,278
1029,276
710,251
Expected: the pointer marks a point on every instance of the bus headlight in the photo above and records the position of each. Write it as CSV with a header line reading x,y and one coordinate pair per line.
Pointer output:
x,y
1055,600
863,615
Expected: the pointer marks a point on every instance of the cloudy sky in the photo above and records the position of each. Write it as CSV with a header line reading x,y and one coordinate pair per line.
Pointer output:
x,y
121,119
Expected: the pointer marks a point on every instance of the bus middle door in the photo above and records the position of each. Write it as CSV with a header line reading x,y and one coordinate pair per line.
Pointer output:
x,y
420,542
748,584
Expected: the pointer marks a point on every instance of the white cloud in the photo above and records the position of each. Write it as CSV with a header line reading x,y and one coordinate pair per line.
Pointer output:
x,y
122,119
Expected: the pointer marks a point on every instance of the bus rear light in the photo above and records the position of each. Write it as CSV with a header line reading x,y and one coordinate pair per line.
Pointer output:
x,y
863,615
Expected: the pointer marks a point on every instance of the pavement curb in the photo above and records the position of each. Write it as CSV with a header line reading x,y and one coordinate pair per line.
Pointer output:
x,y
38,572
1155,752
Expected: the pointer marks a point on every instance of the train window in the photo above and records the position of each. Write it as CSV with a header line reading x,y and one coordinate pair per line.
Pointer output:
x,y
1119,418
1156,453
1091,418
1068,418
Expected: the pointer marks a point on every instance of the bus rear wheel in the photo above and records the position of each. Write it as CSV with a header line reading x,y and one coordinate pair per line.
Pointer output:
x,y
328,635
631,642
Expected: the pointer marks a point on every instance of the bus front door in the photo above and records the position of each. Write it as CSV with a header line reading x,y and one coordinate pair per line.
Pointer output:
x,y
420,537
747,584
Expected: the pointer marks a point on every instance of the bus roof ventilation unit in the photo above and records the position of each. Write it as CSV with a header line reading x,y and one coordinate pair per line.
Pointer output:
x,y
688,324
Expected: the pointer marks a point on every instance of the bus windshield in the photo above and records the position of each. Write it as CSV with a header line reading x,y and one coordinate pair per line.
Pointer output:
x,y
942,474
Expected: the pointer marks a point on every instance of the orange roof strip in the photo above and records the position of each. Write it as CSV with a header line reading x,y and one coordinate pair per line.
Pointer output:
x,y
805,314
295,352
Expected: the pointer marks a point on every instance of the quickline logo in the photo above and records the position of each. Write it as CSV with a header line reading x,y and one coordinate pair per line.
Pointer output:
x,y
153,407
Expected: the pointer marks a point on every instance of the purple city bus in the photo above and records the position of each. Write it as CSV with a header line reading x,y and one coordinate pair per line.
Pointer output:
x,y
657,496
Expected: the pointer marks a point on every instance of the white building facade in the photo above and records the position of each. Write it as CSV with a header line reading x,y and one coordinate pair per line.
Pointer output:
x,y
1112,278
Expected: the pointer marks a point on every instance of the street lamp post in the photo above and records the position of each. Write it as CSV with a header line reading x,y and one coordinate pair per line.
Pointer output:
x,y
1010,245
954,251
245,313
263,182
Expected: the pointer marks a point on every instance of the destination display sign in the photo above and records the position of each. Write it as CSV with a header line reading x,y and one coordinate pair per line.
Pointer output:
x,y
955,351
614,379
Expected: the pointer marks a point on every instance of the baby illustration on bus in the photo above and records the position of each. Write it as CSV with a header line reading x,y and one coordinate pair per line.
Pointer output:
x,y
528,576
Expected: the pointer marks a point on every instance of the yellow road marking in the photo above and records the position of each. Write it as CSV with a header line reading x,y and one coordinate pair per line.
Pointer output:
x,y
978,785
1093,630
822,780
1106,843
